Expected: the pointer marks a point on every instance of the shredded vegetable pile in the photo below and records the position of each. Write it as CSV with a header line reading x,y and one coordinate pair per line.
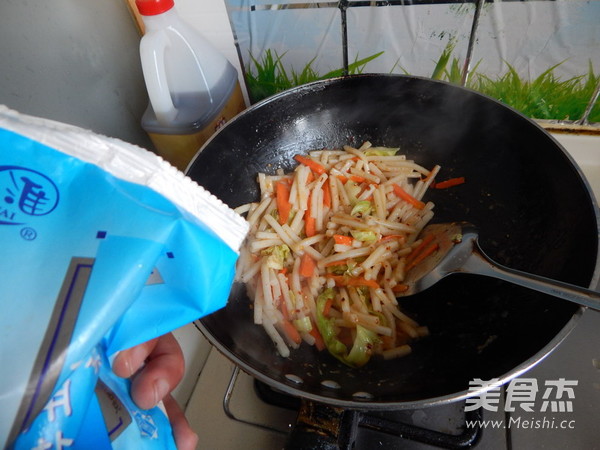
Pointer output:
x,y
329,247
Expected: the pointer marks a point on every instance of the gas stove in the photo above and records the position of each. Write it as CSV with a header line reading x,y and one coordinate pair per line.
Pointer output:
x,y
230,410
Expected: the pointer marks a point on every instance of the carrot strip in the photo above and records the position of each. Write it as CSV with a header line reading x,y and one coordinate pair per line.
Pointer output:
x,y
399,288
449,183
309,225
313,165
419,248
360,281
309,220
342,178
307,265
319,343
392,237
290,330
401,193
326,195
310,178
282,194
424,254
341,280
343,240
327,307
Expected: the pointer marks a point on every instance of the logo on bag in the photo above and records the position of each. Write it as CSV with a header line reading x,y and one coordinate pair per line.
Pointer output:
x,y
25,192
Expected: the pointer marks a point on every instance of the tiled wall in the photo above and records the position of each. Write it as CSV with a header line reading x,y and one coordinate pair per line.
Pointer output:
x,y
541,57
210,18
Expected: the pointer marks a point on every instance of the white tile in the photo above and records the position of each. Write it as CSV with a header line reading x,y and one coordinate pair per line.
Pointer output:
x,y
585,150
195,352
210,18
208,419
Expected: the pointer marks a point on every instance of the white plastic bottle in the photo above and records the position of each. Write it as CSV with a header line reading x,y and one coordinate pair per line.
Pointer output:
x,y
193,89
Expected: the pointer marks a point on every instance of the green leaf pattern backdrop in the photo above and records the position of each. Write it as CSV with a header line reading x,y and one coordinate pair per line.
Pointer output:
x,y
541,57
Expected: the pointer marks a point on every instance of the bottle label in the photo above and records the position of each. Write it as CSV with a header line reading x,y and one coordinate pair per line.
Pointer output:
x,y
179,149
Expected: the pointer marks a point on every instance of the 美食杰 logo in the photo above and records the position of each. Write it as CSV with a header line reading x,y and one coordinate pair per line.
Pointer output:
x,y
25,193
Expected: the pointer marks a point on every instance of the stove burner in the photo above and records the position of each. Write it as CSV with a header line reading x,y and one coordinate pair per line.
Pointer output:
x,y
332,428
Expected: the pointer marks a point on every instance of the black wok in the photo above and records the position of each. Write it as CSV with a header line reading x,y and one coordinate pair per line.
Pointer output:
x,y
534,209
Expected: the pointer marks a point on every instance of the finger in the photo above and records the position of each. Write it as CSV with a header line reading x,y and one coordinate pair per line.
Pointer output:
x,y
127,362
185,437
162,372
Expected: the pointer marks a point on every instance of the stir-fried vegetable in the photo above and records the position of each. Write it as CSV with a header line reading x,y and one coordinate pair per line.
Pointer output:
x,y
283,203
449,183
362,208
276,256
368,237
329,247
363,344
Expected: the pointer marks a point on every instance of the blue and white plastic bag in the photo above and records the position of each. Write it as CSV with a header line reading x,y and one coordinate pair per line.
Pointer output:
x,y
104,246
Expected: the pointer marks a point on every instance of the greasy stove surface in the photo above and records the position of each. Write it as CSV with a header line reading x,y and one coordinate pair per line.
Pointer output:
x,y
577,359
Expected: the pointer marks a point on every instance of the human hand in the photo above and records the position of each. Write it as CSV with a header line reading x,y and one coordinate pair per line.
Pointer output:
x,y
156,367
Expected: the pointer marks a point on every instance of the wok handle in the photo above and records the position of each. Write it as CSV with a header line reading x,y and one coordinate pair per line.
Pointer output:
x,y
318,426
482,264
